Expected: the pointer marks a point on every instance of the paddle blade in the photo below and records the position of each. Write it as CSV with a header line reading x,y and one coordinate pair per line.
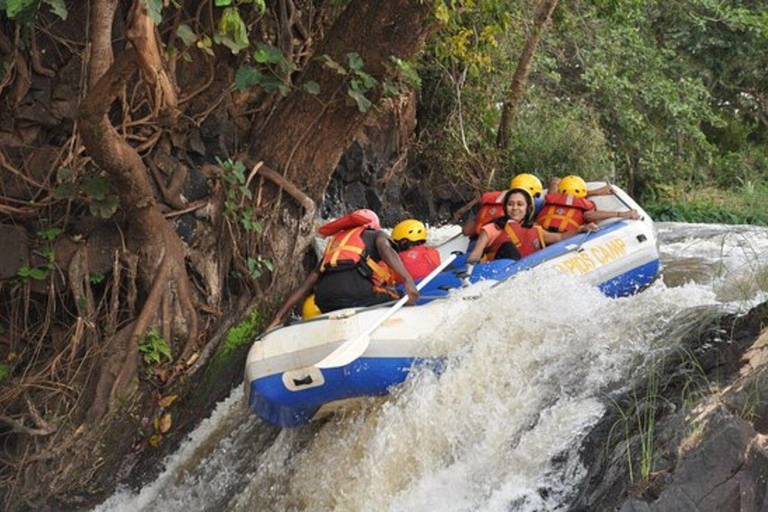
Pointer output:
x,y
352,349
345,354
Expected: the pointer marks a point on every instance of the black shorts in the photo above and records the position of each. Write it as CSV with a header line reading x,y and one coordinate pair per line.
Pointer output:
x,y
349,289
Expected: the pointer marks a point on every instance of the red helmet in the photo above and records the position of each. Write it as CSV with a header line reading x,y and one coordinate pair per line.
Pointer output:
x,y
369,216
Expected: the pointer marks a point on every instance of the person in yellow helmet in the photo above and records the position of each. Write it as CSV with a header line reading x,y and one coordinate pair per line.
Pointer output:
x,y
351,272
566,207
410,237
533,185
492,207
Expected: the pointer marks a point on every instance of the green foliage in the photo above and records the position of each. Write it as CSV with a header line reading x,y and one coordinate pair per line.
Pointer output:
x,y
240,335
647,92
94,189
41,273
682,203
26,10
257,266
49,234
154,348
275,68
96,277
5,371
231,31
186,34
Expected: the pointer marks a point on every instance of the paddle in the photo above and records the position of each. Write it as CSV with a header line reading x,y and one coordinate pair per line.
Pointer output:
x,y
352,349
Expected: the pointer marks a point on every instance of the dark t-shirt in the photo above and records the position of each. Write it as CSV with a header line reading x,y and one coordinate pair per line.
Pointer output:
x,y
350,287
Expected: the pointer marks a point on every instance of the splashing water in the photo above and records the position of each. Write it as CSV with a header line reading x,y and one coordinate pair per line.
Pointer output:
x,y
529,366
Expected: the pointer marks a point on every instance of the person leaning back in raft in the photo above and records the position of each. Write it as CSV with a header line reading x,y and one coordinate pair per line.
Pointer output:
x,y
567,207
354,270
492,205
514,236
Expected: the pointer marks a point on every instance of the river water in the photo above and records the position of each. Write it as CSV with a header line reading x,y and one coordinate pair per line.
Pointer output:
x,y
530,370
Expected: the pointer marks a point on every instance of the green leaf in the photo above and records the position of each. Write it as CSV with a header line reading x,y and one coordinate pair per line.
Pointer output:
x,y
58,8
269,54
231,31
390,88
311,87
96,277
23,272
5,371
363,103
332,64
64,173
261,5
271,83
65,190
49,234
247,77
95,187
38,273
268,263
355,61
155,10
204,44
16,8
104,208
246,192
222,3
239,170
186,34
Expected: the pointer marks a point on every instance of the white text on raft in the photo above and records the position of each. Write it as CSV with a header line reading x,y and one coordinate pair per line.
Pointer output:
x,y
588,260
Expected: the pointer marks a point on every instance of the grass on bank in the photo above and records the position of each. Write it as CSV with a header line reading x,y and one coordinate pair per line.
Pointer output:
x,y
684,203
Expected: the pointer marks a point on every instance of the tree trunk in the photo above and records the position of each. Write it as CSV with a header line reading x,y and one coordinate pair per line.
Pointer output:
x,y
162,269
305,137
517,87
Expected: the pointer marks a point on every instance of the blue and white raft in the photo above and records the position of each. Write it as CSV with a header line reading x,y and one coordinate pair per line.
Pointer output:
x,y
286,387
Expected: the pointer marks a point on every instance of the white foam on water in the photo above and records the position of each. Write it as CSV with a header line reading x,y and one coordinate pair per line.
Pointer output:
x,y
529,365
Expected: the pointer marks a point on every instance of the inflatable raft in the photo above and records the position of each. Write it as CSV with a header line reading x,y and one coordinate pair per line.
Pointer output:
x,y
286,386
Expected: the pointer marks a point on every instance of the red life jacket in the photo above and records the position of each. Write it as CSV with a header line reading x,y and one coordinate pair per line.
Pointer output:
x,y
527,240
490,208
347,249
563,212
419,261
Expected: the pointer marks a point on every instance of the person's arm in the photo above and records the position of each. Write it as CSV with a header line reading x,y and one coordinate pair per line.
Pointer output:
x,y
605,190
480,245
392,259
552,238
553,184
598,215
294,298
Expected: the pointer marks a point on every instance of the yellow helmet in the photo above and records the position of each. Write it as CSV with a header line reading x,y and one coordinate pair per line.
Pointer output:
x,y
309,309
573,185
529,182
411,230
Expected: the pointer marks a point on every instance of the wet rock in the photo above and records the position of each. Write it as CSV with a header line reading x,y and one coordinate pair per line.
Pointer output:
x,y
15,252
219,132
714,462
635,506
355,196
